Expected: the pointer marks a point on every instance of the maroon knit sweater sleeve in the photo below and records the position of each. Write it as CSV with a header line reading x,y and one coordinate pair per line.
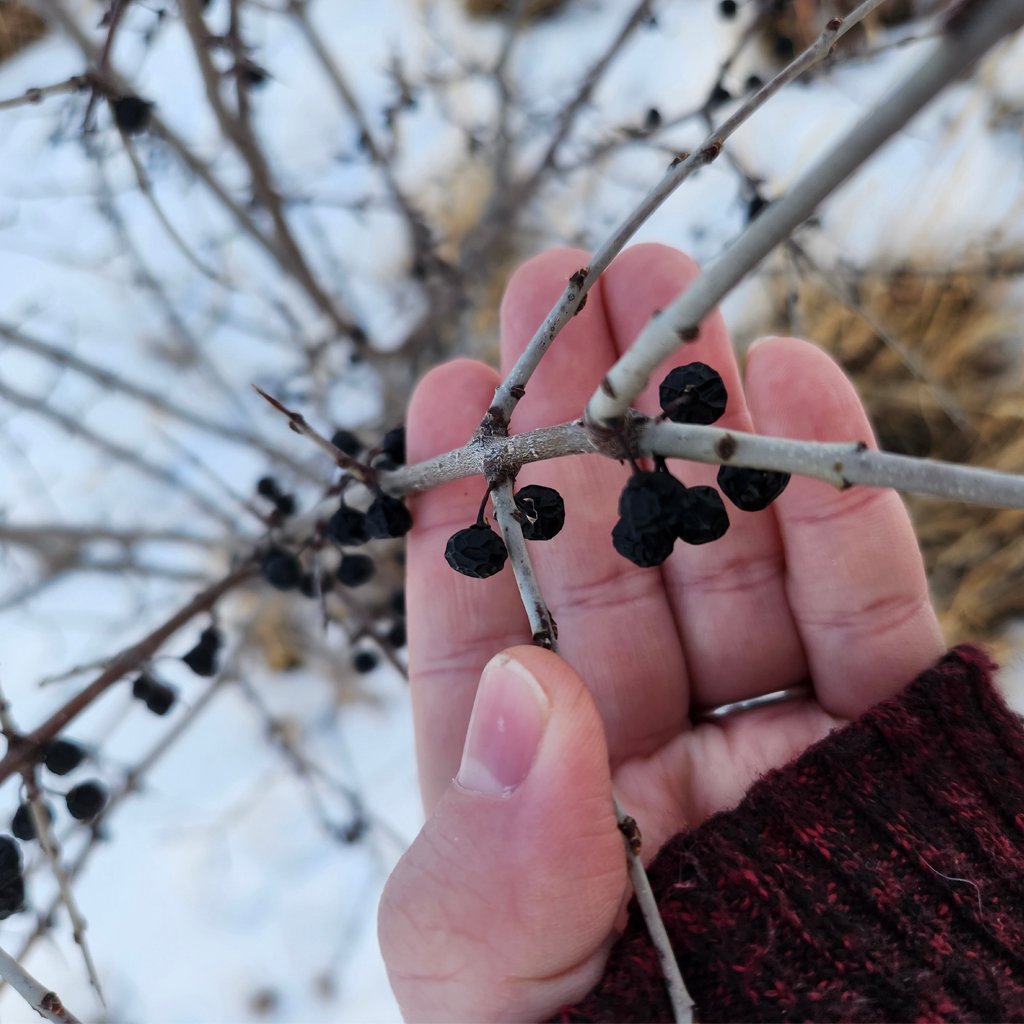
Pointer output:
x,y
878,877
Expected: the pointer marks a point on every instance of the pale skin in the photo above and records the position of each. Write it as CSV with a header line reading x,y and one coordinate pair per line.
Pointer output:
x,y
506,905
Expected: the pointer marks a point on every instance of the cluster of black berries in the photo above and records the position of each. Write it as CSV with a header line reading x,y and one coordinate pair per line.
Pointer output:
x,y
480,552
84,801
386,517
204,657
267,487
158,697
656,509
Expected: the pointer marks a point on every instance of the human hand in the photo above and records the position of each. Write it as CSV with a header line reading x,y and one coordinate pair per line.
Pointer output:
x,y
506,905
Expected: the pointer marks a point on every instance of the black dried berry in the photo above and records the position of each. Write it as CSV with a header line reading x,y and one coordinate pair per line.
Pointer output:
x,y
365,661
10,858
543,511
397,602
202,659
23,824
158,697
652,501
728,8
704,517
286,505
63,756
355,570
693,394
387,517
86,801
645,548
347,526
652,119
751,490
12,896
131,113
253,75
756,205
396,635
347,442
784,47
719,95
393,445
753,83
476,551
281,569
211,637
268,487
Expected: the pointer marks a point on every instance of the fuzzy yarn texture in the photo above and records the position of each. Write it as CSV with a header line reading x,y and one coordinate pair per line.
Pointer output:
x,y
878,877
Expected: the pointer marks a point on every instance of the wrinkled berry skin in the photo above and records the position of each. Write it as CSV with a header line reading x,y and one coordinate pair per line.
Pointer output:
x,y
355,570
693,394
543,511
387,517
751,490
23,825
646,548
347,442
63,756
704,517
347,527
652,501
86,801
476,551
281,569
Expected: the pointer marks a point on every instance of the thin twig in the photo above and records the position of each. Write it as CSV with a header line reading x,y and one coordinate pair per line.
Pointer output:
x,y
679,996
114,450
298,423
543,629
513,387
22,749
44,1001
239,134
571,110
973,36
151,397
51,852
76,83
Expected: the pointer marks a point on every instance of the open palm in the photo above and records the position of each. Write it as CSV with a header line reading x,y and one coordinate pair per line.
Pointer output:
x,y
505,907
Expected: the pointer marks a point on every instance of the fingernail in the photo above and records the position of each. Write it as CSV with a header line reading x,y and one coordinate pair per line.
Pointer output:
x,y
505,729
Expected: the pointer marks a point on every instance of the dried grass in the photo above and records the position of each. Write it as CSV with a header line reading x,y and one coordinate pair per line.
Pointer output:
x,y
19,26
961,331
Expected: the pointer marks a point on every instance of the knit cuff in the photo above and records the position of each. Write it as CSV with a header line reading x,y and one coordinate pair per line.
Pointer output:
x,y
880,876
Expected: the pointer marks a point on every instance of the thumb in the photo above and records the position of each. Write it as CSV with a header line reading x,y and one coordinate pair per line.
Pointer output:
x,y
503,907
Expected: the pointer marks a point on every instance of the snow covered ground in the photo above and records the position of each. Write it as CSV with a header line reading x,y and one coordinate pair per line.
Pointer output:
x,y
220,896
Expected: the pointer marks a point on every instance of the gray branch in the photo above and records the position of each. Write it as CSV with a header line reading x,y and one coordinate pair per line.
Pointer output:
x,y
964,42
568,305
842,464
